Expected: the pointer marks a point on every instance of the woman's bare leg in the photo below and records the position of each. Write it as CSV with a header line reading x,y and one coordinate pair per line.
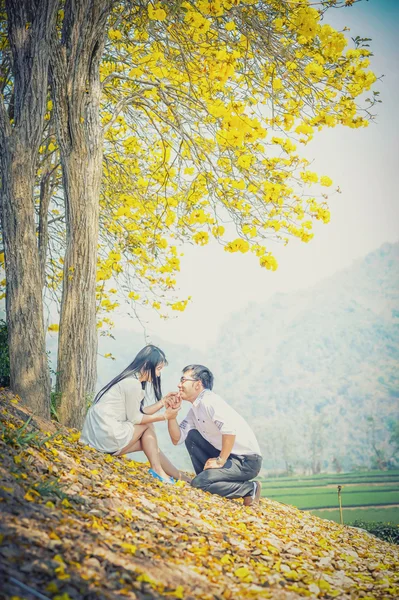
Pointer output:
x,y
136,447
171,470
158,461
137,435
149,443
145,439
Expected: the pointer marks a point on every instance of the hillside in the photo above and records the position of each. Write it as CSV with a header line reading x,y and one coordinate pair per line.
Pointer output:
x,y
78,524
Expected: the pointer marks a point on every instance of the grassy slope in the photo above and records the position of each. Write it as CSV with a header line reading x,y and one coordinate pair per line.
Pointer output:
x,y
79,524
357,478
358,490
390,514
324,498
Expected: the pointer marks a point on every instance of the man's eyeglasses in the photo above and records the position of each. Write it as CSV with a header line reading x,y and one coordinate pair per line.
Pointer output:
x,y
183,379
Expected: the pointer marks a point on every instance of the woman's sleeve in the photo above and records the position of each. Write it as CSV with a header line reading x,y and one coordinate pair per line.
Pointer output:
x,y
133,396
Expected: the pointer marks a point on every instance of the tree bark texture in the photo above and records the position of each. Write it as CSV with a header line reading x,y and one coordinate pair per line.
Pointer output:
x,y
76,91
46,189
29,27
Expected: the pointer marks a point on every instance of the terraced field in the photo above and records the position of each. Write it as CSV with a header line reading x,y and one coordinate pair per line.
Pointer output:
x,y
368,496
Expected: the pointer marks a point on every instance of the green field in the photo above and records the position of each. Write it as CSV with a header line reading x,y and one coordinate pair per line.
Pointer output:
x,y
390,514
367,496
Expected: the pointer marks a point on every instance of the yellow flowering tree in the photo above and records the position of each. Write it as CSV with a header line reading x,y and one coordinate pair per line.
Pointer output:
x,y
205,105
194,118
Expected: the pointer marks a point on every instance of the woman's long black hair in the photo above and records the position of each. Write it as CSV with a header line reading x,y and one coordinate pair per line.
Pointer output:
x,y
146,360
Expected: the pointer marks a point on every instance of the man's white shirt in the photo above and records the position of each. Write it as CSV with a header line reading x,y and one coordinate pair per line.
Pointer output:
x,y
213,417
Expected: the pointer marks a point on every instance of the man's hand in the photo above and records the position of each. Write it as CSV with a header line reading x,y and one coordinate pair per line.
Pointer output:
x,y
172,400
171,413
213,463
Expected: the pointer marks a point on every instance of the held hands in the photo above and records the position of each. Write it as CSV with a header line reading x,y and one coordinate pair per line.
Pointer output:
x,y
172,403
172,400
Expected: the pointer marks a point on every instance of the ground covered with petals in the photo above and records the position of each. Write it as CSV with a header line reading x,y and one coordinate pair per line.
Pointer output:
x,y
76,524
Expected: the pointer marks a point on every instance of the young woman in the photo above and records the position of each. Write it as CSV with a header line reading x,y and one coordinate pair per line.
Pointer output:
x,y
118,422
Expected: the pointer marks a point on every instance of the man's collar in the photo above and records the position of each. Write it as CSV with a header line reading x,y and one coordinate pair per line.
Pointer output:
x,y
199,398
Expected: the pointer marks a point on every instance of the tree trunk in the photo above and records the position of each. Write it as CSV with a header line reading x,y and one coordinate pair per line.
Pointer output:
x,y
29,29
46,190
77,346
29,374
76,90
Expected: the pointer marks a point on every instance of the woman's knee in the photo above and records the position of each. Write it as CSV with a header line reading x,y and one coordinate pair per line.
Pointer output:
x,y
148,431
150,435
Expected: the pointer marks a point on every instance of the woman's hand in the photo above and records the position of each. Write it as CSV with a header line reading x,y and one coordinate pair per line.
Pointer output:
x,y
172,400
162,403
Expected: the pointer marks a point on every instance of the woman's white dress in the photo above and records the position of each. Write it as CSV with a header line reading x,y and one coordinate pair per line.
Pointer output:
x,y
109,424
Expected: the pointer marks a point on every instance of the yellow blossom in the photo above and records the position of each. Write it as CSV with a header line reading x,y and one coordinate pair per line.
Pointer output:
x,y
156,13
201,238
326,181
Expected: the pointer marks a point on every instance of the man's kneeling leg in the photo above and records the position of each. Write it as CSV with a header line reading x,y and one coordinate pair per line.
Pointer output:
x,y
204,479
209,481
199,450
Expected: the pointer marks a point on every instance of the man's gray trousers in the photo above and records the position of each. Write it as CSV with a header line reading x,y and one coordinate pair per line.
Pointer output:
x,y
232,480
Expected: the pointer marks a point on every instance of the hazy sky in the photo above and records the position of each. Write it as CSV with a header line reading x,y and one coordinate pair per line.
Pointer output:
x,y
363,162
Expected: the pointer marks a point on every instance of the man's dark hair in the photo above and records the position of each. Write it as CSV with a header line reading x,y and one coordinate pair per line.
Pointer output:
x,y
202,374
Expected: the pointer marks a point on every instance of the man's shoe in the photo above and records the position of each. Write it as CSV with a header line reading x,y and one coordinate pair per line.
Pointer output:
x,y
253,499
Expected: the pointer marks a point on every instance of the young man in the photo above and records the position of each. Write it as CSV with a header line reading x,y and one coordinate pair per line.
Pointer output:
x,y
222,447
